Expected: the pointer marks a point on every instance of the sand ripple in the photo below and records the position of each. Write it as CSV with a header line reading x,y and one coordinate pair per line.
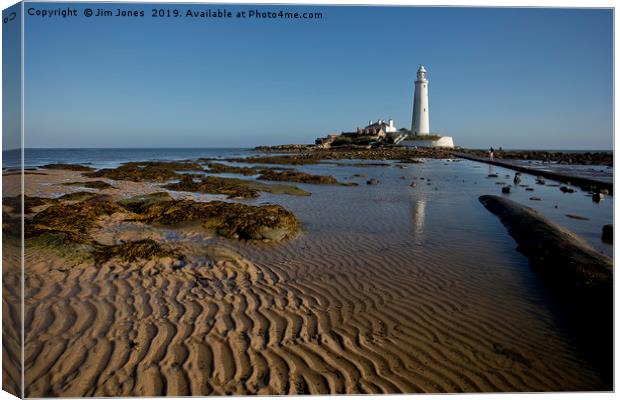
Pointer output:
x,y
280,325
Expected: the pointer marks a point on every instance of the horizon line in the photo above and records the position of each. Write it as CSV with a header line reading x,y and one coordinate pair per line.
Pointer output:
x,y
253,147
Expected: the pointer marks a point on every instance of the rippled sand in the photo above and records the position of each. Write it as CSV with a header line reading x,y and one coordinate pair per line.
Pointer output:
x,y
388,289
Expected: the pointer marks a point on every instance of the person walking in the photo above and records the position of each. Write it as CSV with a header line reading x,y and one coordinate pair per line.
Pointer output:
x,y
491,154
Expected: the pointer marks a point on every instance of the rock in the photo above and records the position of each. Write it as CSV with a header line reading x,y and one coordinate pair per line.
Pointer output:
x,y
298,159
296,176
132,251
529,189
231,187
506,189
217,168
155,171
492,176
566,189
413,184
372,181
68,167
535,198
578,217
230,220
608,234
91,184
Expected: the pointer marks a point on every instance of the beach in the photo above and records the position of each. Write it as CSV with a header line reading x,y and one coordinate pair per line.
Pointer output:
x,y
405,285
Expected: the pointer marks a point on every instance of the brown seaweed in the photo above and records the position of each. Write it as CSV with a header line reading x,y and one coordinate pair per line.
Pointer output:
x,y
68,167
231,220
156,171
231,187
90,184
132,251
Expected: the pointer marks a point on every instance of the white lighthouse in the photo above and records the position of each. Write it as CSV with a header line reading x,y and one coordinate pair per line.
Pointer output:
x,y
419,120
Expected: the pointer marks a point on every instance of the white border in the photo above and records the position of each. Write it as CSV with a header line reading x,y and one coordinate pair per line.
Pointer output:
x,y
448,3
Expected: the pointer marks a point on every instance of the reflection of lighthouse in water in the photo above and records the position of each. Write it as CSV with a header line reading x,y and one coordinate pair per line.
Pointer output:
x,y
419,216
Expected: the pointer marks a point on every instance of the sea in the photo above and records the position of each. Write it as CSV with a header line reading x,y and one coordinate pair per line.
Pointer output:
x,y
110,158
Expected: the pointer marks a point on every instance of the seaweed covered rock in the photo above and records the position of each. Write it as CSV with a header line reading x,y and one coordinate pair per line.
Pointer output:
x,y
296,176
11,225
298,159
13,203
156,171
11,212
90,184
74,220
144,200
132,251
231,220
231,187
68,167
185,165
217,168
78,196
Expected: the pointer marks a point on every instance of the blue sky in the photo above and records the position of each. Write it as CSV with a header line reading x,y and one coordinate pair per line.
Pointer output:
x,y
517,78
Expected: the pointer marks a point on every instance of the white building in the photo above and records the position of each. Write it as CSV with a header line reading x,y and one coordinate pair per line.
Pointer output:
x,y
419,120
388,127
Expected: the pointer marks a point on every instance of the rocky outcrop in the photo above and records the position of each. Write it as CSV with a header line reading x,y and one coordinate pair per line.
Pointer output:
x,y
296,176
145,172
231,220
217,168
68,167
231,187
91,184
70,224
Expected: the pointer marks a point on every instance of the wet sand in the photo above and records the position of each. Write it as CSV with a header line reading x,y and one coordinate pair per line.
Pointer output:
x,y
388,289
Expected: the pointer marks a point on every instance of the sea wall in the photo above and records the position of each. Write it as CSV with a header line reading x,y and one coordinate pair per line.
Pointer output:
x,y
444,141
